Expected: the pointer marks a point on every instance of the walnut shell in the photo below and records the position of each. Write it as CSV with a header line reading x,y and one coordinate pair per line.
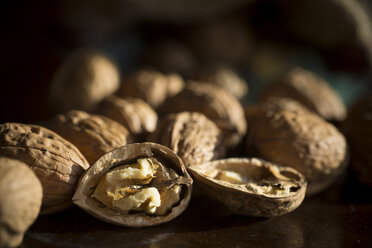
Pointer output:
x,y
215,103
358,129
311,90
151,86
303,141
20,200
133,113
84,79
192,136
93,135
252,197
56,162
226,78
123,155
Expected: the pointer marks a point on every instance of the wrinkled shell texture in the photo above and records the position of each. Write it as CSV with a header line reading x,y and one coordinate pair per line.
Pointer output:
x,y
215,103
124,155
241,198
151,86
225,78
93,135
191,136
56,162
358,129
84,79
310,90
20,200
302,141
133,113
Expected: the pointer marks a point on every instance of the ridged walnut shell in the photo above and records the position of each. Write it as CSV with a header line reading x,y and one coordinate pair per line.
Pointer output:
x,y
20,200
133,113
252,197
84,79
215,103
56,162
303,141
125,155
225,78
93,135
311,90
151,86
358,129
192,136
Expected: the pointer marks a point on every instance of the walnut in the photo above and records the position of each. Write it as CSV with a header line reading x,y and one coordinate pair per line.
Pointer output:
x,y
83,80
133,113
56,162
251,186
226,78
303,141
93,135
215,103
358,129
151,86
20,200
142,184
191,136
311,90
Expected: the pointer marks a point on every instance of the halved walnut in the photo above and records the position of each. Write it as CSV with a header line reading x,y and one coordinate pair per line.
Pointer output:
x,y
140,184
251,186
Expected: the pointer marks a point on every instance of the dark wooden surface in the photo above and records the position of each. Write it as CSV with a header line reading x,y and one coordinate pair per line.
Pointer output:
x,y
339,217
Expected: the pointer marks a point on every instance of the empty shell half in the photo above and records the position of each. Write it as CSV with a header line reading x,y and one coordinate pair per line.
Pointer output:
x,y
251,186
141,184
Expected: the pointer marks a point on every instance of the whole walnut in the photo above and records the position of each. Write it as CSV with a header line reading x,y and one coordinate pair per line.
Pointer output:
x,y
84,79
151,86
192,136
20,200
358,129
303,141
215,103
133,113
93,135
56,162
226,78
311,90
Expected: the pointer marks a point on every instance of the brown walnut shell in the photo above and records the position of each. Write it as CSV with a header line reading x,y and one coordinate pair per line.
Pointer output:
x,y
358,129
93,135
56,162
84,79
215,103
124,155
133,113
151,86
20,200
252,197
226,78
303,141
311,90
192,136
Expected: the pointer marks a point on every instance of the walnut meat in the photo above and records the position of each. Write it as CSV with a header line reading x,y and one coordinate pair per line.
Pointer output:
x,y
303,141
56,162
358,129
136,185
133,113
312,91
251,186
215,103
191,136
20,200
93,135
151,86
84,79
